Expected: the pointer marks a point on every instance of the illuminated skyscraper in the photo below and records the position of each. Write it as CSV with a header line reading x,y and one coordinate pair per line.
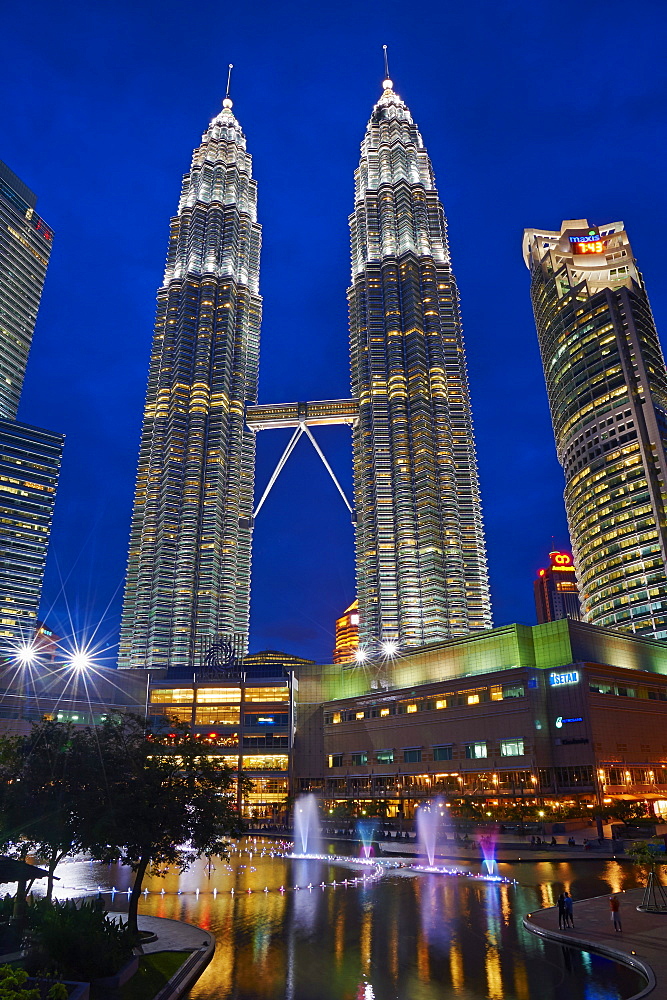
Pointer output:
x,y
25,248
29,456
421,562
556,591
188,577
607,387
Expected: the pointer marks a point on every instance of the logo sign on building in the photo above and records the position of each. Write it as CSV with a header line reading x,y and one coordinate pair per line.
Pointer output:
x,y
560,721
563,678
591,243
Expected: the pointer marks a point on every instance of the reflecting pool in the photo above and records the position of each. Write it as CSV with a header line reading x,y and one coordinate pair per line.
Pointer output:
x,y
404,937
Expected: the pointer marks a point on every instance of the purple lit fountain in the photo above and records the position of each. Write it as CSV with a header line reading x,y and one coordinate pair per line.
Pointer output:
x,y
428,820
365,831
488,846
307,834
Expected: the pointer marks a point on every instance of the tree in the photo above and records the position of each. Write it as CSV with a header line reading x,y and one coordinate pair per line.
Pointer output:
x,y
162,802
42,795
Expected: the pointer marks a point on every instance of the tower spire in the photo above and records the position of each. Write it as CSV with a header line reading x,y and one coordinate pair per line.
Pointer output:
x,y
387,83
227,103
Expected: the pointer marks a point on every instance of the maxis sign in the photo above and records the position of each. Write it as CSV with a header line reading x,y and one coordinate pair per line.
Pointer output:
x,y
563,678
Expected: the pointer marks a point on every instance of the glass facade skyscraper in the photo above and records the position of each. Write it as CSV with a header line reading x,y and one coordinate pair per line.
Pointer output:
x,y
607,387
29,468
188,578
421,561
25,248
29,456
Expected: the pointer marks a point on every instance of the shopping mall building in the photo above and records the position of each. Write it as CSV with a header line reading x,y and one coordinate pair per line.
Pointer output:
x,y
554,713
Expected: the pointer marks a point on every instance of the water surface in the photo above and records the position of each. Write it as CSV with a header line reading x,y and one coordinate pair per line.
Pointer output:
x,y
402,938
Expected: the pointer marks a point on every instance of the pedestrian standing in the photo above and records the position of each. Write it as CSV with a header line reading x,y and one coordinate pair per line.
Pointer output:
x,y
561,911
569,910
614,906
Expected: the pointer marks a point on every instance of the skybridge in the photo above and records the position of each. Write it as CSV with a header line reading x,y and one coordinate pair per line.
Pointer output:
x,y
301,417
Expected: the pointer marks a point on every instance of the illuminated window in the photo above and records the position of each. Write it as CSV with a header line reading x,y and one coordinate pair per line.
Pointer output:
x,y
205,696
496,692
336,717
476,750
226,715
266,694
384,712
161,696
511,748
360,715
335,760
442,703
473,699
385,756
359,759
412,708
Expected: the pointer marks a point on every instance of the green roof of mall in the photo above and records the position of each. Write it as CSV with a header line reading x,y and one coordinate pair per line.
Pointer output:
x,y
544,647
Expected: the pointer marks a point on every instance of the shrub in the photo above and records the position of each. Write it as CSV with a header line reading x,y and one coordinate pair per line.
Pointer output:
x,y
76,942
13,985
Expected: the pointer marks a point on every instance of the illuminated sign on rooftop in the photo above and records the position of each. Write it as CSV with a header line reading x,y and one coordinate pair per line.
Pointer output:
x,y
563,678
592,243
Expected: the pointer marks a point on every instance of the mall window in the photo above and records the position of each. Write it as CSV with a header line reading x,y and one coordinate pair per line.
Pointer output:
x,y
599,687
441,703
266,694
511,748
626,692
513,691
335,760
359,759
226,715
270,719
475,750
412,756
385,756
161,696
208,696
442,753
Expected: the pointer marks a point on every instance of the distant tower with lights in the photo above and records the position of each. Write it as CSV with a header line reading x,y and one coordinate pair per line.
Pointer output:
x,y
347,634
188,577
556,591
607,387
421,560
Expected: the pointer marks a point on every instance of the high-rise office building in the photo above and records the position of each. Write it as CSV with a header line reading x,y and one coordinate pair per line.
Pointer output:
x,y
607,387
25,248
29,468
421,562
29,456
556,590
188,577
347,634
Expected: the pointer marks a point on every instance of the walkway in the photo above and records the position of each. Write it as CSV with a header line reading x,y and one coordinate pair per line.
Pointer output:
x,y
642,944
173,935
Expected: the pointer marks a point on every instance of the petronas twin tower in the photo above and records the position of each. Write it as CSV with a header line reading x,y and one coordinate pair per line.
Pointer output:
x,y
420,554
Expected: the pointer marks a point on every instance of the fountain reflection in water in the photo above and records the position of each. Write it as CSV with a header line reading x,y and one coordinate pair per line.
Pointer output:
x,y
307,830
429,818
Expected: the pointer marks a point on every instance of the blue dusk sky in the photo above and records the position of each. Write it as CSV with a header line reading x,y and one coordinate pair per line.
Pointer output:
x,y
532,112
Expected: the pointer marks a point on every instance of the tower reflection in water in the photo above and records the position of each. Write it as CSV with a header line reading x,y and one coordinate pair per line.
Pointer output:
x,y
421,936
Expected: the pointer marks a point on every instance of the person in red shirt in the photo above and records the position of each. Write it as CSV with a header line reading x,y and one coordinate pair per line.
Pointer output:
x,y
614,906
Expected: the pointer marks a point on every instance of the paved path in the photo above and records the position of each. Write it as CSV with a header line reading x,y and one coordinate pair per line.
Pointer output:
x,y
642,944
174,935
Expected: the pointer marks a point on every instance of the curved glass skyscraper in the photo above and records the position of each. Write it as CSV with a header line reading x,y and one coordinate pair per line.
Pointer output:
x,y
188,579
421,562
607,387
